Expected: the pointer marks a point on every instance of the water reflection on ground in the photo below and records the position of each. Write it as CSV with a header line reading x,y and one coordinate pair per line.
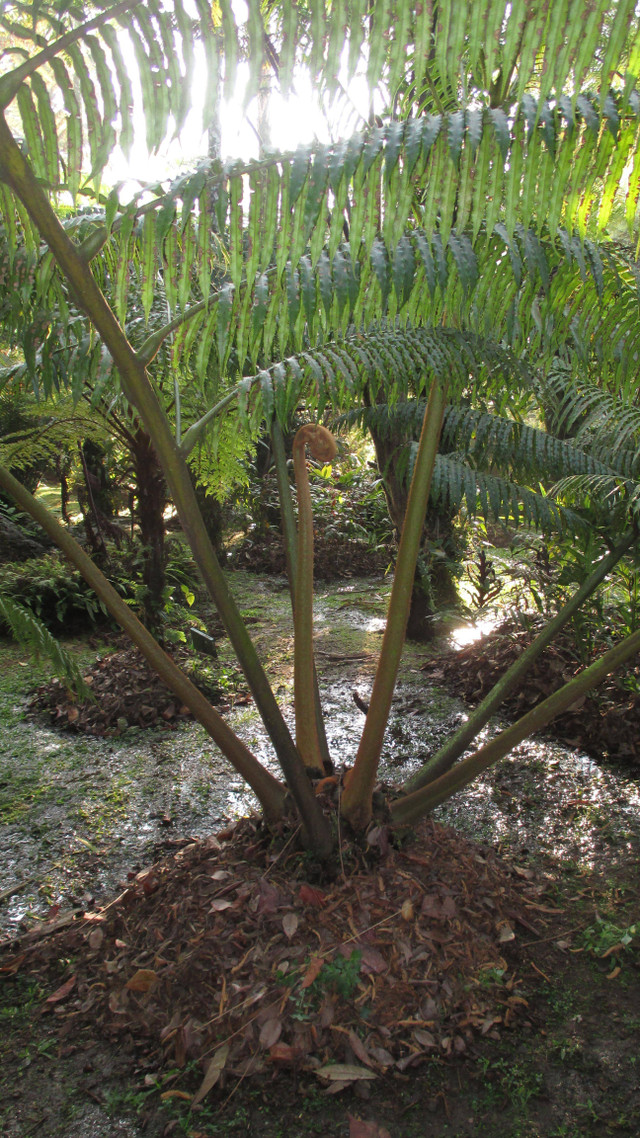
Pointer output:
x,y
94,811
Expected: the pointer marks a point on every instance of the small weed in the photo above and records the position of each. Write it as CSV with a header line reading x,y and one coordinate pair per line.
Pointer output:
x,y
19,998
561,1000
45,1047
488,977
604,939
568,1050
511,1080
339,976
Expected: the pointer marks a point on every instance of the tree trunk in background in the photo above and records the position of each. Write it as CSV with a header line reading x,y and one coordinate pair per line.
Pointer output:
x,y
152,502
213,517
96,500
63,468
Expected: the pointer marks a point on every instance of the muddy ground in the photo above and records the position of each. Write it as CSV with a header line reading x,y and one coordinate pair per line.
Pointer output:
x,y
81,815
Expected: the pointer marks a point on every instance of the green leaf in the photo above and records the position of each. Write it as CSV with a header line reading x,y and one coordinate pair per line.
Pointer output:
x,y
455,134
465,259
224,309
382,269
501,127
123,267
404,267
148,264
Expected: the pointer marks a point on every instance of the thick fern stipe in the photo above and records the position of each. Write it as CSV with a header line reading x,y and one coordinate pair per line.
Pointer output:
x,y
323,448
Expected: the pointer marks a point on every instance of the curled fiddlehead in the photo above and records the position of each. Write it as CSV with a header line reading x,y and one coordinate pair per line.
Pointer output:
x,y
322,447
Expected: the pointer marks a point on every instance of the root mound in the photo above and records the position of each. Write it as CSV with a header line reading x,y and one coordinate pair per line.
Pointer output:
x,y
227,954
335,557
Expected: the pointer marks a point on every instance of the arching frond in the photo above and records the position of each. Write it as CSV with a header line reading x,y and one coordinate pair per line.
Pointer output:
x,y
78,77
516,447
604,422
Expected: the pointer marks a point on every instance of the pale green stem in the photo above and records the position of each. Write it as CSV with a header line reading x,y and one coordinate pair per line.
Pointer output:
x,y
458,743
407,810
149,349
197,430
289,538
12,80
323,447
269,792
357,796
286,504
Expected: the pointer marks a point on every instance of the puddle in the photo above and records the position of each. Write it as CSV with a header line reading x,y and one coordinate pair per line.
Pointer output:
x,y
79,814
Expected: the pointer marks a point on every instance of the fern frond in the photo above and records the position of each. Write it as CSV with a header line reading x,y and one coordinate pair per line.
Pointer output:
x,y
516,446
32,634
456,484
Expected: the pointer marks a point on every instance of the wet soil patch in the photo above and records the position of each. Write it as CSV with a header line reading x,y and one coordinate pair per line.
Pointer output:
x,y
604,724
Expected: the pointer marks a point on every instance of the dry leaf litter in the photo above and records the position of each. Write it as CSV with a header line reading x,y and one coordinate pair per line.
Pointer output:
x,y
231,954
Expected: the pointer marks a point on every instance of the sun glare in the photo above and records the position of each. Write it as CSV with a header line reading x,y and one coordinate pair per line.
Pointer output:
x,y
300,118
470,633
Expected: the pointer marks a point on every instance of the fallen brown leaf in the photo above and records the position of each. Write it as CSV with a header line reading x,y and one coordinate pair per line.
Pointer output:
x,y
142,980
360,1129
62,992
212,1074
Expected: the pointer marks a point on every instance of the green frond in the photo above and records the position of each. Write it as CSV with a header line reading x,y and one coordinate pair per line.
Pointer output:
x,y
604,423
455,485
560,46
76,58
32,634
604,495
516,446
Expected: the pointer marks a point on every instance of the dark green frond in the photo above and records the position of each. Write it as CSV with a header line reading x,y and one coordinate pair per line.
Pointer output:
x,y
456,485
516,446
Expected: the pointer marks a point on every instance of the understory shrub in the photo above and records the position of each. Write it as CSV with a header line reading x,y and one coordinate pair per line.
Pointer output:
x,y
62,600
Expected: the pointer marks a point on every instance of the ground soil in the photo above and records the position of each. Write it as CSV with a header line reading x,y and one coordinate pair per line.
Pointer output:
x,y
496,990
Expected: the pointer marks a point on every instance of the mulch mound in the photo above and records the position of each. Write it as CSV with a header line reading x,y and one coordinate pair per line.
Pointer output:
x,y
228,954
127,693
604,723
334,558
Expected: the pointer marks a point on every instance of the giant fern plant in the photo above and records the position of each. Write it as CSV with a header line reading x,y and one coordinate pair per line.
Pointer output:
x,y
457,217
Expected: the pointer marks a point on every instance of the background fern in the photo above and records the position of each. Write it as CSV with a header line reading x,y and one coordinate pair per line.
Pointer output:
x,y
32,634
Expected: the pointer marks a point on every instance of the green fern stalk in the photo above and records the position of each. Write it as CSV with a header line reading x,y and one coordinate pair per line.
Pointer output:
x,y
322,446
357,797
289,537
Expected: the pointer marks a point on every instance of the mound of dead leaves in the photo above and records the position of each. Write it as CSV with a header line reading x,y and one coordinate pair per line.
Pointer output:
x,y
604,723
126,693
227,954
335,557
